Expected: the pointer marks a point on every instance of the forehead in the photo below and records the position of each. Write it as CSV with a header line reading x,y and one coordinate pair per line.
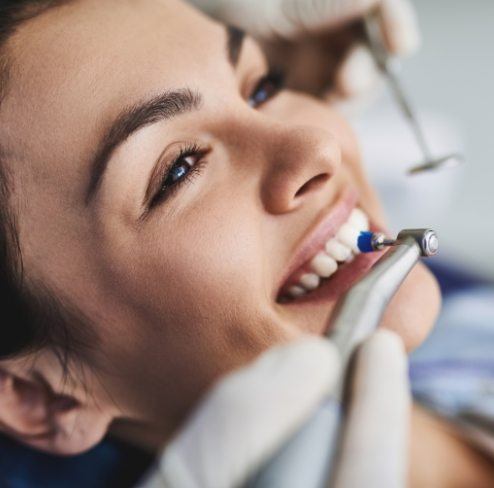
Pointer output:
x,y
76,66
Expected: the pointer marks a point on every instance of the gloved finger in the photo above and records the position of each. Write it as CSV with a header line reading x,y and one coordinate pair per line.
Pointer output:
x,y
249,414
286,18
357,74
399,25
376,432
399,22
302,16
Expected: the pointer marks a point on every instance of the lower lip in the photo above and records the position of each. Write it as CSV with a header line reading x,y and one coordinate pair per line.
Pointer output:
x,y
334,287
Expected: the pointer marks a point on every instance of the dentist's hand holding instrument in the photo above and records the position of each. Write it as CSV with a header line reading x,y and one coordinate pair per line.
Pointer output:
x,y
251,413
277,423
355,73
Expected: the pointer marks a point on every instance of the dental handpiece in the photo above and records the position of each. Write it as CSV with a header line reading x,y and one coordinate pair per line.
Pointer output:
x,y
306,460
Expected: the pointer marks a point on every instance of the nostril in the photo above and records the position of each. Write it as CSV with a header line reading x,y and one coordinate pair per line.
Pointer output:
x,y
313,184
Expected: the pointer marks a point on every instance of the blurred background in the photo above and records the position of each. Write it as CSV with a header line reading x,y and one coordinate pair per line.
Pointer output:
x,y
450,82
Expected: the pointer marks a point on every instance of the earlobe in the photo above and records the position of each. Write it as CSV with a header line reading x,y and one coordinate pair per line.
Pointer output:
x,y
32,413
23,406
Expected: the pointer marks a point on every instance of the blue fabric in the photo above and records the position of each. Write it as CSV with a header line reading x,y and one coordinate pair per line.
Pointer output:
x,y
453,278
110,464
453,371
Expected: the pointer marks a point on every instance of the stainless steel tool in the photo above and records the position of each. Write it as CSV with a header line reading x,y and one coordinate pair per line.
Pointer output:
x,y
382,60
307,458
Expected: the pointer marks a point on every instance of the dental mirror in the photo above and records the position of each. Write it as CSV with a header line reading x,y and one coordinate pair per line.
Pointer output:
x,y
450,161
382,60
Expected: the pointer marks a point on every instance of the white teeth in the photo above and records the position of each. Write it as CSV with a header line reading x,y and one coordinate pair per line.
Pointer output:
x,y
348,236
359,220
323,265
340,249
310,281
296,291
337,250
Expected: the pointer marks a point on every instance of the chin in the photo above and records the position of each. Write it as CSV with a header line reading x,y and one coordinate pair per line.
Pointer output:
x,y
414,309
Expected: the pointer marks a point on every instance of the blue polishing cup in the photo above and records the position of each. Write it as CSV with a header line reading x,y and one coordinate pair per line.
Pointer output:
x,y
364,242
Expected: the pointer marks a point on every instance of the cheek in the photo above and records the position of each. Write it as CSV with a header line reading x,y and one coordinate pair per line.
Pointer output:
x,y
208,277
414,309
217,255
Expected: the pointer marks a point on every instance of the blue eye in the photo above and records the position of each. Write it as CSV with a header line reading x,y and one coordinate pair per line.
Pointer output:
x,y
179,170
186,165
267,87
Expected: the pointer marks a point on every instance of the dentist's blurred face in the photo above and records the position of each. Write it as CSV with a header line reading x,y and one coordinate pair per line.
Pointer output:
x,y
215,179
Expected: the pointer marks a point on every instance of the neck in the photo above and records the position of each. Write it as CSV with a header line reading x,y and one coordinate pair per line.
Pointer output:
x,y
140,435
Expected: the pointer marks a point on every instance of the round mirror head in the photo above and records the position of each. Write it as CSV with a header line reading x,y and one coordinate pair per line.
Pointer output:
x,y
450,161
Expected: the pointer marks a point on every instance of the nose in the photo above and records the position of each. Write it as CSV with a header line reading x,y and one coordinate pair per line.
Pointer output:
x,y
300,162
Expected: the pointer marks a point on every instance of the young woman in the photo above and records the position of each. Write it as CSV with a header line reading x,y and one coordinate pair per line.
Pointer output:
x,y
162,199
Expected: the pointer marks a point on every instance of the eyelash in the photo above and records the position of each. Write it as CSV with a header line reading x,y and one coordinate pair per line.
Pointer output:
x,y
274,79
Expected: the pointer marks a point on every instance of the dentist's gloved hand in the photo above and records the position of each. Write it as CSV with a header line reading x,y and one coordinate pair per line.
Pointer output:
x,y
251,413
351,73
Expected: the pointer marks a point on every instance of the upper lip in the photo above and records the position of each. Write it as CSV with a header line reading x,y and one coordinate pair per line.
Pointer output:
x,y
324,229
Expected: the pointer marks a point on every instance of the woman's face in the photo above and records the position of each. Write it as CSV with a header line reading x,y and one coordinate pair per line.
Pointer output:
x,y
180,271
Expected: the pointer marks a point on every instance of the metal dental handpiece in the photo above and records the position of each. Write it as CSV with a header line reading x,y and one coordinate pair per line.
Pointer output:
x,y
307,458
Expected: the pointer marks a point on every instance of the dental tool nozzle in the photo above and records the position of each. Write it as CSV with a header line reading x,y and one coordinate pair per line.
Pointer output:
x,y
373,241
376,241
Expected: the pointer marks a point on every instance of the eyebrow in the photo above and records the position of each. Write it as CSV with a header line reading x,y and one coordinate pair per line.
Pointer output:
x,y
161,107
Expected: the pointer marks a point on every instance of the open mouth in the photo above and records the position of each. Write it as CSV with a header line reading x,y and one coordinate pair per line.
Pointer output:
x,y
330,259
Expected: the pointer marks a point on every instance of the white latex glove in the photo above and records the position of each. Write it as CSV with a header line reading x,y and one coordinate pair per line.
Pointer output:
x,y
251,413
289,19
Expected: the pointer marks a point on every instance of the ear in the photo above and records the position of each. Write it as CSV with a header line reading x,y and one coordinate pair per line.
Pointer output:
x,y
34,414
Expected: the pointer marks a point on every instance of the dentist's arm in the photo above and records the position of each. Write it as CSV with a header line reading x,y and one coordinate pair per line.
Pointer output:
x,y
251,413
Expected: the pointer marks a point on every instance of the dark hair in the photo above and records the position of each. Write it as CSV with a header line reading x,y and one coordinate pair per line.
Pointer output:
x,y
31,315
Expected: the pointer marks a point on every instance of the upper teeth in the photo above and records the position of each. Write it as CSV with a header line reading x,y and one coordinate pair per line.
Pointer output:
x,y
341,248
337,250
324,265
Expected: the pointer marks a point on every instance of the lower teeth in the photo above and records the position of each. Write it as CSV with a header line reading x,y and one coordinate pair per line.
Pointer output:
x,y
297,291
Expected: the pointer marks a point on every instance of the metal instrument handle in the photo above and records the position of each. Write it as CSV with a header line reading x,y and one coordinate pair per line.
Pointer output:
x,y
306,460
